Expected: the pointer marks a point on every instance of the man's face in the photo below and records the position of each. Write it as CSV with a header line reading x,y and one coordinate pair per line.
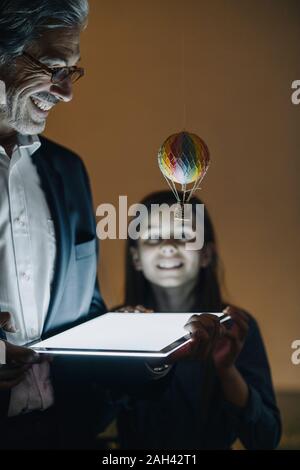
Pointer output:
x,y
30,93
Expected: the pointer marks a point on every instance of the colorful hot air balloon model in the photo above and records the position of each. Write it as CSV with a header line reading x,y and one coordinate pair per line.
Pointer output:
x,y
183,160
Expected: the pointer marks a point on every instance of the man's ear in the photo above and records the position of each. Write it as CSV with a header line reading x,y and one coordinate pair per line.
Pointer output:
x,y
206,255
135,258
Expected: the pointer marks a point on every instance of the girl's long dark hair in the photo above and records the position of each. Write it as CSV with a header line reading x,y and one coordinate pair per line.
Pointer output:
x,y
209,298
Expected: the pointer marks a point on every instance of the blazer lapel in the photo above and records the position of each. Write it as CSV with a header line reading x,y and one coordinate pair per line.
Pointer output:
x,y
52,186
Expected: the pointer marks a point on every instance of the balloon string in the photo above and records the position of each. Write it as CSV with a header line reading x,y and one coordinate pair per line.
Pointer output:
x,y
183,79
184,193
197,184
173,188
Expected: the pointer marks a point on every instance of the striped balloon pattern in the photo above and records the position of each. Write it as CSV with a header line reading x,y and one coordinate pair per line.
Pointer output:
x,y
183,158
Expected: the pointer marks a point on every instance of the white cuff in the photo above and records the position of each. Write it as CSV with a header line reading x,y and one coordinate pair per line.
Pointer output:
x,y
2,353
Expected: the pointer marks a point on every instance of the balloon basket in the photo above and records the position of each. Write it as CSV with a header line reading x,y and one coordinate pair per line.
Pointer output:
x,y
179,213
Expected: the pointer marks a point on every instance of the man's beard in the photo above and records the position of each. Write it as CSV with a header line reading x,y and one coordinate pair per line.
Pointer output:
x,y
18,116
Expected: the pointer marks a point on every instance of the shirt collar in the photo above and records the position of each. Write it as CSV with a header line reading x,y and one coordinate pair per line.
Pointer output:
x,y
29,142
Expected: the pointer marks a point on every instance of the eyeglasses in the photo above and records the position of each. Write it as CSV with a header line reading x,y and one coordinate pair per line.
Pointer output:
x,y
58,74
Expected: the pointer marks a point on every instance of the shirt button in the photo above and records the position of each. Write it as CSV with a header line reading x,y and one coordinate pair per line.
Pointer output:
x,y
20,222
25,276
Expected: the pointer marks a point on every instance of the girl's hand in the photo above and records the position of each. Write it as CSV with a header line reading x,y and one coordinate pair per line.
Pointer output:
x,y
231,342
205,330
136,309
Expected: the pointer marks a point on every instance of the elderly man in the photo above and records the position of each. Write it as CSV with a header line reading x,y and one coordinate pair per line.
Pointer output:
x,y
48,250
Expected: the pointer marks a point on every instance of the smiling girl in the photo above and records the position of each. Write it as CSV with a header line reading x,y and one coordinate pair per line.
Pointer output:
x,y
208,403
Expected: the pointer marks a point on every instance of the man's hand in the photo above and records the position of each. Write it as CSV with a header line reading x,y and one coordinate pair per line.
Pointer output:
x,y
18,358
6,322
230,344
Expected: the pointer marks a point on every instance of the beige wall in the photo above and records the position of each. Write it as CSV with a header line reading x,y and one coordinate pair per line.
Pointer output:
x,y
241,57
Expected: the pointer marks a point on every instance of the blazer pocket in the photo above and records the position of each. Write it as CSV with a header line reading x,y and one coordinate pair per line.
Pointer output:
x,y
85,249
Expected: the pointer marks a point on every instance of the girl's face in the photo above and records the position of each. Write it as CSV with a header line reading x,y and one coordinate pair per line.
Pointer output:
x,y
165,261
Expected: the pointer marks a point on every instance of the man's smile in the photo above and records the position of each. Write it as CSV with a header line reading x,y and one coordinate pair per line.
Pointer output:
x,y
42,105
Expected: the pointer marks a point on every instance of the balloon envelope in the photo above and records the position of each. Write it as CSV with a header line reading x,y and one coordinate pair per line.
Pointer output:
x,y
183,158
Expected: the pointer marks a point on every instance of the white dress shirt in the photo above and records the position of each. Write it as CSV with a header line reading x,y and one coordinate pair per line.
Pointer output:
x,y
27,257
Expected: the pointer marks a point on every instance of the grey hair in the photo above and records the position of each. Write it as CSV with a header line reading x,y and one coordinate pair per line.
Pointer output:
x,y
23,21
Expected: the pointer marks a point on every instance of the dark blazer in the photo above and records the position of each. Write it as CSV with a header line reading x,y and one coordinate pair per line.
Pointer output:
x,y
81,397
75,295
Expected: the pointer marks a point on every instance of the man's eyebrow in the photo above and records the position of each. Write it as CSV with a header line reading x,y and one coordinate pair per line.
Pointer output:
x,y
50,60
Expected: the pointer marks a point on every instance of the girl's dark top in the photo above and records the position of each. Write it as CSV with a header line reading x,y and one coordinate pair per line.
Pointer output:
x,y
187,409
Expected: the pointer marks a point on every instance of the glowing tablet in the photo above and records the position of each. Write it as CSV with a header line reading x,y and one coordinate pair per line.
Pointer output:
x,y
122,334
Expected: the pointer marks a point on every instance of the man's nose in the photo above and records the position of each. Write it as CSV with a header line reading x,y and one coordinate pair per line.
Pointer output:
x,y
168,248
63,90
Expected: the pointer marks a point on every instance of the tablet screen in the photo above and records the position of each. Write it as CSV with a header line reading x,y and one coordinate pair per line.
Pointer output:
x,y
116,331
